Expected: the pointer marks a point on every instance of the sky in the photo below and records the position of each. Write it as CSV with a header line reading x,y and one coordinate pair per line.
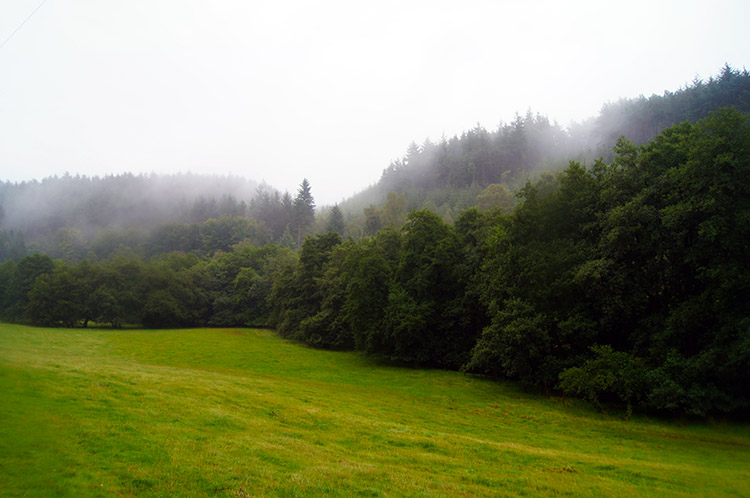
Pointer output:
x,y
331,91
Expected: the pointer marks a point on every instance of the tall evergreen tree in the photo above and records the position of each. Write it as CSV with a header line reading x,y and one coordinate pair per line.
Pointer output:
x,y
304,210
335,220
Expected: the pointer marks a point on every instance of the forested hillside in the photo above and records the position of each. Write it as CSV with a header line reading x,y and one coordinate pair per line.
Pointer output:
x,y
627,280
74,209
75,217
71,216
453,174
624,281
623,278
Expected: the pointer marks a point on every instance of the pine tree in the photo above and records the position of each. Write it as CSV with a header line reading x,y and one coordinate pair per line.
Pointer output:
x,y
304,210
335,220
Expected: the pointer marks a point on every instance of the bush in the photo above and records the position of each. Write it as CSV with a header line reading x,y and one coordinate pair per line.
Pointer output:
x,y
609,375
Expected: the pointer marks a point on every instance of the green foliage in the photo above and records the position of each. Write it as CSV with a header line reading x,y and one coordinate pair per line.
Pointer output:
x,y
646,256
368,272
495,196
608,375
273,211
20,279
394,210
61,215
423,304
625,281
12,244
175,289
517,344
459,172
7,276
174,294
297,295
642,118
335,220
328,327
56,299
67,245
208,237
677,252
373,221
304,210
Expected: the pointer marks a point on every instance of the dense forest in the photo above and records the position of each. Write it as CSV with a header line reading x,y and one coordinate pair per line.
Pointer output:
x,y
75,209
620,280
446,177
478,168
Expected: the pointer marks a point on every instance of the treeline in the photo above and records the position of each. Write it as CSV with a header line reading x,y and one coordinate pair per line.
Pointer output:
x,y
64,216
447,176
39,209
626,281
480,157
170,290
201,239
641,119
222,225
214,273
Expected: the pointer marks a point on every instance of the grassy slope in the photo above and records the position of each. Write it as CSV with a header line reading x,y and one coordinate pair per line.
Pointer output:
x,y
244,413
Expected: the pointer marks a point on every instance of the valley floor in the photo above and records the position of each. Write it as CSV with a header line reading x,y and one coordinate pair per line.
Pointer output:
x,y
244,413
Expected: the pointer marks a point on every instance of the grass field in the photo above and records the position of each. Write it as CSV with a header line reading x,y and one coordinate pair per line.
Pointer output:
x,y
243,413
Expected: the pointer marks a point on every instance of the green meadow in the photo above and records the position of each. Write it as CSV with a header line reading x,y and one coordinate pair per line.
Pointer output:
x,y
244,413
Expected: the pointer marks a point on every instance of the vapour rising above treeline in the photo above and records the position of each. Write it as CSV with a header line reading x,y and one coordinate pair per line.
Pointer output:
x,y
446,176
126,200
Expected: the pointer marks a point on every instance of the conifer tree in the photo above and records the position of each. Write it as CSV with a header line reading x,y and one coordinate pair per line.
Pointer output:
x,y
335,220
304,210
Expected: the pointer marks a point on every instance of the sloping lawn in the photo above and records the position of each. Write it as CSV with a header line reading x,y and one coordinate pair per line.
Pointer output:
x,y
243,413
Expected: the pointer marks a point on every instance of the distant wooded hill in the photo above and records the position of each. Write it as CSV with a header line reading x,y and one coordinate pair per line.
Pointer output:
x,y
92,203
625,279
448,176
479,168
37,211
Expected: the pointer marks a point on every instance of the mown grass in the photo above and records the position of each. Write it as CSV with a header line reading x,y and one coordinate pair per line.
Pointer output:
x,y
241,413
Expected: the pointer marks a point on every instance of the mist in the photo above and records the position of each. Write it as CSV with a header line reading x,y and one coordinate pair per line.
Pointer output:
x,y
90,204
331,92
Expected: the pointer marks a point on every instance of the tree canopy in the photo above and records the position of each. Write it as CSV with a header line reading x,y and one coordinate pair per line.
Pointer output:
x,y
627,280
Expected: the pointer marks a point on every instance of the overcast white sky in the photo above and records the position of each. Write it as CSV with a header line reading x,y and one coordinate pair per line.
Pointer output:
x,y
328,90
